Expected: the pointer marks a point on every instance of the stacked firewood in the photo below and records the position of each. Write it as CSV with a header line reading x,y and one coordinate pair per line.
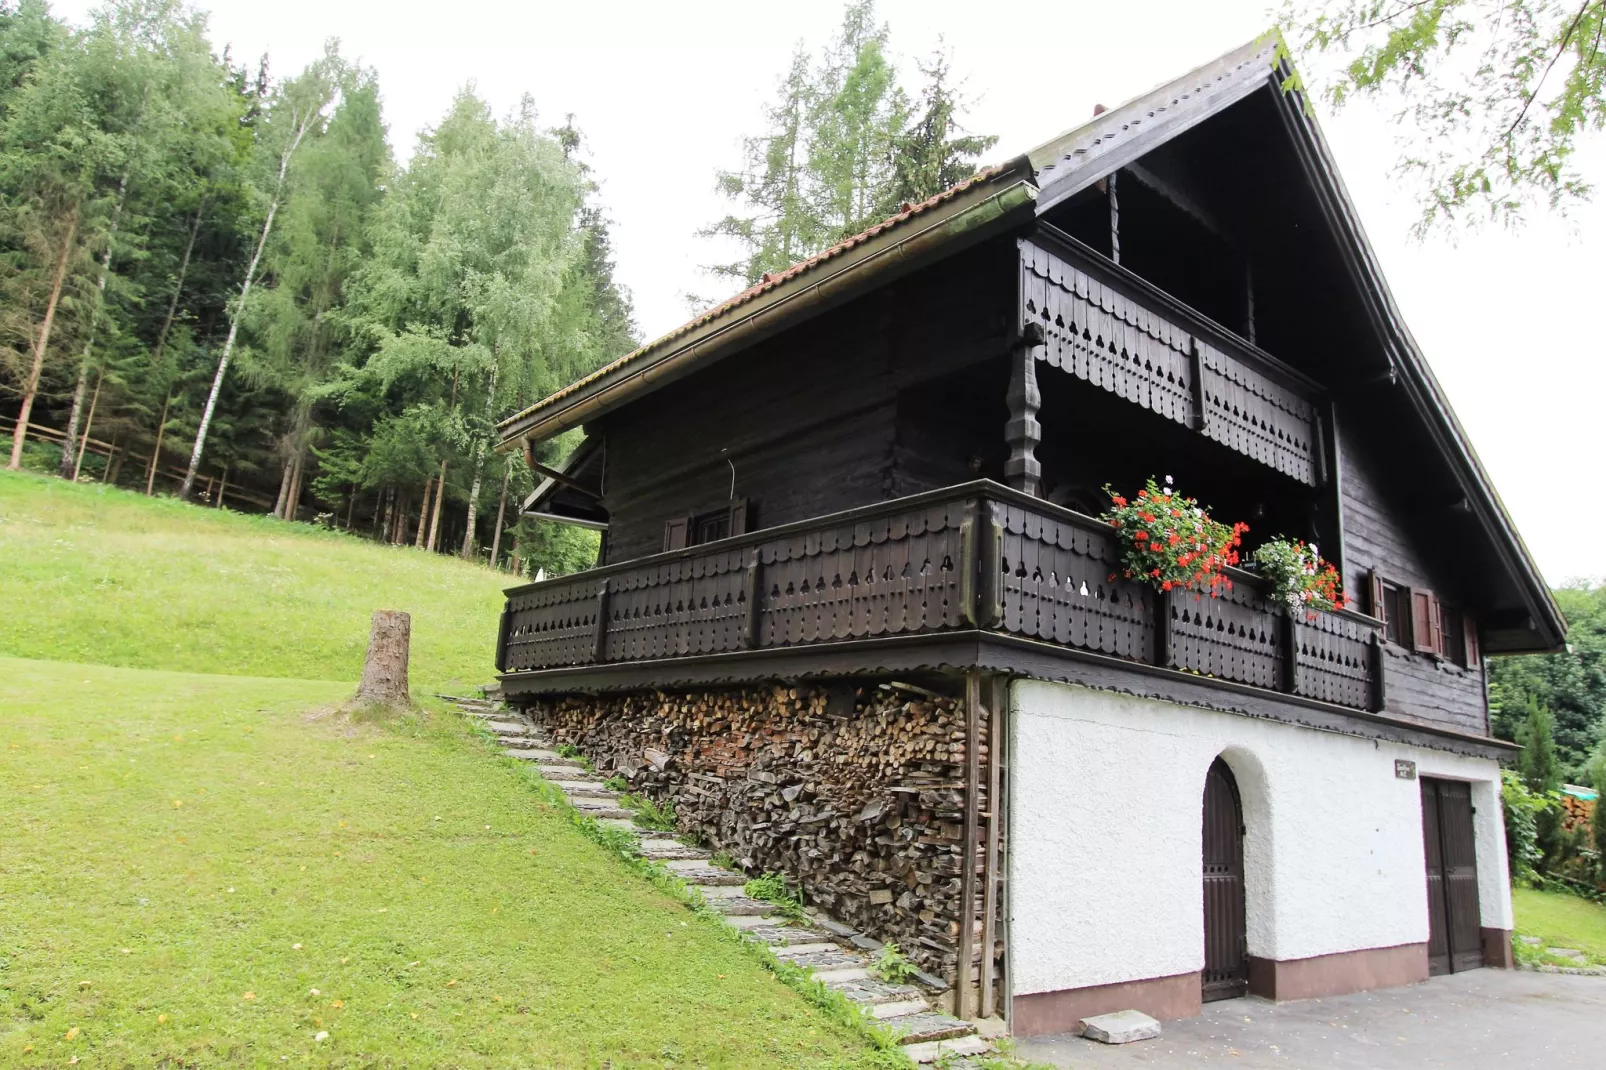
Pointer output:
x,y
856,794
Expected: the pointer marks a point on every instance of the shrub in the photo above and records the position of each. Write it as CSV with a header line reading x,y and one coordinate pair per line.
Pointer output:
x,y
892,966
1523,808
1170,542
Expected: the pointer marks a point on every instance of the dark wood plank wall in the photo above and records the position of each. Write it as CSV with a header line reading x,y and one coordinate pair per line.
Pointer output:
x,y
811,418
1417,686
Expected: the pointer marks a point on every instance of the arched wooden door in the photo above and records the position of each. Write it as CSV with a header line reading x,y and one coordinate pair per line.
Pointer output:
x,y
1226,967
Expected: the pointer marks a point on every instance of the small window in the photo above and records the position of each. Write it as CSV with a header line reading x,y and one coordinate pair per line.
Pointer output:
x,y
1455,638
710,526
1396,620
683,531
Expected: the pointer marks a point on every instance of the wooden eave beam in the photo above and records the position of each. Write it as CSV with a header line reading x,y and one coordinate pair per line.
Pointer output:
x,y
554,475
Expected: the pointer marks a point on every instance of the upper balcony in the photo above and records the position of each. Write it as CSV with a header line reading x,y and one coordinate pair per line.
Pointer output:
x,y
971,562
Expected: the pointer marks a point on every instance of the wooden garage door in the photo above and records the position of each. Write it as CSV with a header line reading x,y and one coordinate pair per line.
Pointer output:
x,y
1454,937
1226,967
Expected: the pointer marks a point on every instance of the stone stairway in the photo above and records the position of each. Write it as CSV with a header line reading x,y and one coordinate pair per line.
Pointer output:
x,y
835,954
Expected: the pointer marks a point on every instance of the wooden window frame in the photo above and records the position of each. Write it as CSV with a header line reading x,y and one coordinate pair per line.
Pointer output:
x,y
681,531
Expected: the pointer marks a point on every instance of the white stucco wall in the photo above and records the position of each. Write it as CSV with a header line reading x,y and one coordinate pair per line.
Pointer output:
x,y
1105,869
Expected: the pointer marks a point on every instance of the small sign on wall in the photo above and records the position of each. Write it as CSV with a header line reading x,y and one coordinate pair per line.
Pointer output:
x,y
1404,770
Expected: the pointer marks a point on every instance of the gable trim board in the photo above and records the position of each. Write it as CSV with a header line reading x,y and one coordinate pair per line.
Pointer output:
x,y
999,199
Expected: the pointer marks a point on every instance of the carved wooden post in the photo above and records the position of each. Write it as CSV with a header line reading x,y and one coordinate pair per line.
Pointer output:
x,y
1022,433
1288,625
1162,628
501,637
384,671
750,582
1196,366
1374,669
599,650
989,611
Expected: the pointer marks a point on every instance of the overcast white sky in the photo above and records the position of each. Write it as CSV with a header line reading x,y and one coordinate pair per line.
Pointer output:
x,y
663,91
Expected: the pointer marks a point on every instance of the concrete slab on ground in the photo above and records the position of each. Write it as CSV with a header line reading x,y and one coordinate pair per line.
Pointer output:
x,y
1478,1020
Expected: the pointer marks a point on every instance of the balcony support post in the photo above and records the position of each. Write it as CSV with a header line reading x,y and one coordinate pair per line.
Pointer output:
x,y
599,649
965,1001
750,589
1162,628
1288,625
1023,433
1374,669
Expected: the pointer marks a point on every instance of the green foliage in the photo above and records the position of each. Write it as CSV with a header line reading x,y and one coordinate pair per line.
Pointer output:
x,y
892,966
249,279
773,888
844,149
1571,684
1522,807
1493,95
1537,763
650,815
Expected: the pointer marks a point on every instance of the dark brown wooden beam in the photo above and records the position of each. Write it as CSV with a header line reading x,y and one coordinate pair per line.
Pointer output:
x,y
1023,433
555,475
965,1001
997,808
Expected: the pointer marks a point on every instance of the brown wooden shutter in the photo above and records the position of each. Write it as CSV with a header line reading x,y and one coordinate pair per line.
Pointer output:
x,y
1470,626
738,514
1424,637
1374,588
677,531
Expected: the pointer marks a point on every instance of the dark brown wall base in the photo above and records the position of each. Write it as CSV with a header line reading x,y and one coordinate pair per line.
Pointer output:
x,y
1334,975
1058,1012
1497,949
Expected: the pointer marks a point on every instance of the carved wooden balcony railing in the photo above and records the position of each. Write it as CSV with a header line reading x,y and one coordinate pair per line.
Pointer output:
x,y
977,557
1103,324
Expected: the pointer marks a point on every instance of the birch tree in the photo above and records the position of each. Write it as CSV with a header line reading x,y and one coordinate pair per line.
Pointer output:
x,y
298,109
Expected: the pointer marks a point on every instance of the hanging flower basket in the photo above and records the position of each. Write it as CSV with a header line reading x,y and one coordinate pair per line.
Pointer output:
x,y
1170,542
1300,577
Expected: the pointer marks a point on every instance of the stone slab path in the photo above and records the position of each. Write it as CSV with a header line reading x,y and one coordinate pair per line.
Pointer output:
x,y
819,944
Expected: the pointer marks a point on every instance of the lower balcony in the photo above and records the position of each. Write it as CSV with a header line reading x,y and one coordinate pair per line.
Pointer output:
x,y
972,576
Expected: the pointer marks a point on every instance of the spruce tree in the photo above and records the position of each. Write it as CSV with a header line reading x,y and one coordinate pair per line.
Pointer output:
x,y
1538,761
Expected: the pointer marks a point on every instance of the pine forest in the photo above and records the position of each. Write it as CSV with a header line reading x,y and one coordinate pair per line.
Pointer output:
x,y
218,281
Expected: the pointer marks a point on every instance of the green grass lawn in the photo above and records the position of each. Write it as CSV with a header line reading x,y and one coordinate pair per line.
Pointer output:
x,y
96,574
212,869
1561,920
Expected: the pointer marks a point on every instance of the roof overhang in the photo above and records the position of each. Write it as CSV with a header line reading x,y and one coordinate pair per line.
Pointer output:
x,y
991,203
561,501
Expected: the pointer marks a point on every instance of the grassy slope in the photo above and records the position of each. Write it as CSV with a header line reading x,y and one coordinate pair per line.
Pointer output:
x,y
107,576
1562,920
133,801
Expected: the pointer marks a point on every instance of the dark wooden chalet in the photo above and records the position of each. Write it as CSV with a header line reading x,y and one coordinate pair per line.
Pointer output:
x,y
884,464
886,458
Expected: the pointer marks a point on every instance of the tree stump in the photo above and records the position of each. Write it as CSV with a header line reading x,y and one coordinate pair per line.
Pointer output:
x,y
384,671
